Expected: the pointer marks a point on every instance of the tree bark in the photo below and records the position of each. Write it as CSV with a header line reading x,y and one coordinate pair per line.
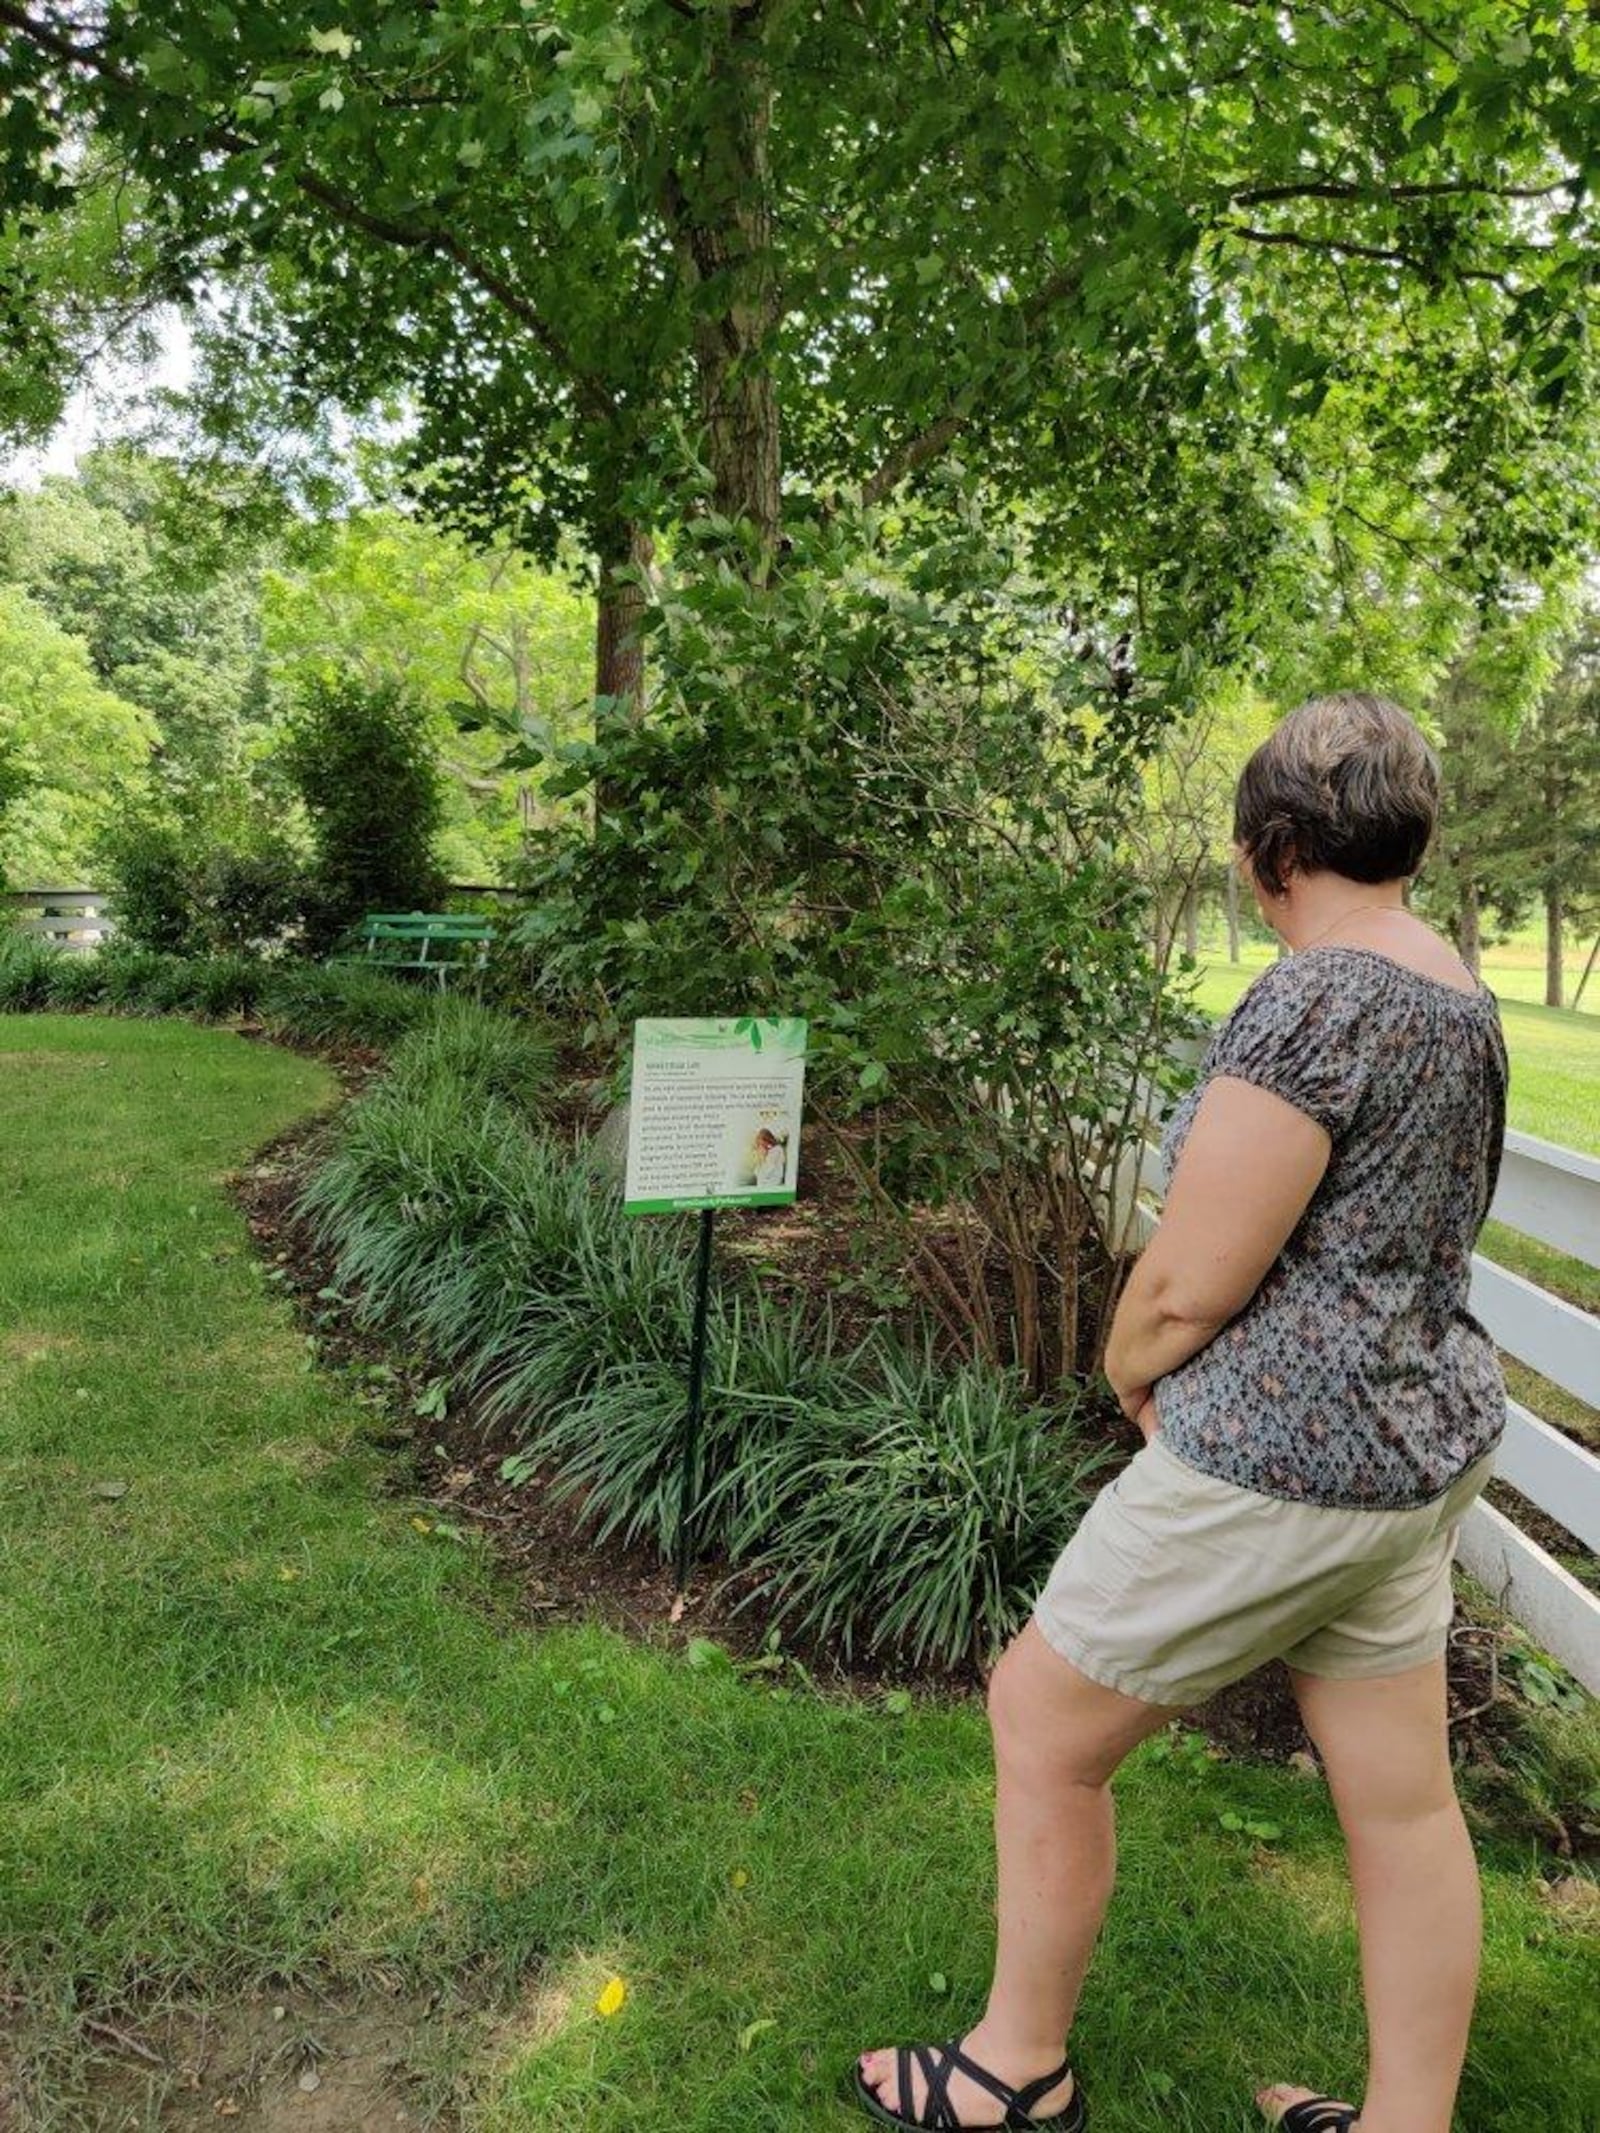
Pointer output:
x,y
1191,920
618,649
1231,905
1469,929
1554,931
720,212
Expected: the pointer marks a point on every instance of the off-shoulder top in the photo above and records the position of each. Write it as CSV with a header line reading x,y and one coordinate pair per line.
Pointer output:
x,y
1356,1375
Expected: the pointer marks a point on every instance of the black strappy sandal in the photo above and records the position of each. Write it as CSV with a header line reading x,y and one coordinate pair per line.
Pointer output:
x,y
1317,2114
937,2063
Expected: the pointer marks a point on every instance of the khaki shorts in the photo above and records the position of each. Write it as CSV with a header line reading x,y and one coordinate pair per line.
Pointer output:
x,y
1177,1582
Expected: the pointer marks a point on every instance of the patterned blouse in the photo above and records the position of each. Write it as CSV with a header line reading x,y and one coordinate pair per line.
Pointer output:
x,y
1356,1375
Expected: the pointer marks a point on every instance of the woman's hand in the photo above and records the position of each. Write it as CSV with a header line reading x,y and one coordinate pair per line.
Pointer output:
x,y
1138,1403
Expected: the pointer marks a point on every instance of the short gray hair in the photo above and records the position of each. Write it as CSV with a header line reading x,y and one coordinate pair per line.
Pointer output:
x,y
1346,783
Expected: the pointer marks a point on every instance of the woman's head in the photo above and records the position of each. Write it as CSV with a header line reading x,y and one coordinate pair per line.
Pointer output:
x,y
1346,784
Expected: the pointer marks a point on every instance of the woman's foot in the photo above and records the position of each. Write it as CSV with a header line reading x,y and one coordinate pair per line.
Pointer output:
x,y
1280,2098
974,2106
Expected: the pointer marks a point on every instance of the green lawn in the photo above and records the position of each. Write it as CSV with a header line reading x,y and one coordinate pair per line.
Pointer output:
x,y
260,1726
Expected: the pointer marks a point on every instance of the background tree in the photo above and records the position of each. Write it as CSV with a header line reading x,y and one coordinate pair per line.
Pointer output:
x,y
361,763
66,741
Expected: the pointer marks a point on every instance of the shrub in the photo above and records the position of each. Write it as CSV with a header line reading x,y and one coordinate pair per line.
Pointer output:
x,y
27,965
360,759
199,883
249,899
482,1051
142,854
324,1003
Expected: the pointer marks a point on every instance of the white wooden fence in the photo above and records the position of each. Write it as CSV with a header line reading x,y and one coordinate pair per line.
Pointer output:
x,y
1551,1194
74,919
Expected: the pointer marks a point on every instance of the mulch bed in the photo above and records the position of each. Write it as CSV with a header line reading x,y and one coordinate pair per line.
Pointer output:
x,y
451,1471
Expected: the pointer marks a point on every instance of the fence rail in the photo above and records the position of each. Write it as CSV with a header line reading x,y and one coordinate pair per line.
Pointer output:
x,y
76,920
1551,1194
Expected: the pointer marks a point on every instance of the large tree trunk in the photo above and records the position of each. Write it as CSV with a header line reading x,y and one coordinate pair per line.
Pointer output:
x,y
1231,904
1554,932
625,549
1191,920
719,208
618,649
1469,930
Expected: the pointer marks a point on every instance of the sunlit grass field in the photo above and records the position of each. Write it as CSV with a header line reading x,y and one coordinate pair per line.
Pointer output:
x,y
259,1725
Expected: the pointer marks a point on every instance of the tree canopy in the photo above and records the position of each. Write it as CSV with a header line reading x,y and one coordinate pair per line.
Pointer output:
x,y
633,264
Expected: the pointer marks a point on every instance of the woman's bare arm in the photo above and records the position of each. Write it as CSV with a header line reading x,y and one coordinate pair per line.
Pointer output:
x,y
1249,1167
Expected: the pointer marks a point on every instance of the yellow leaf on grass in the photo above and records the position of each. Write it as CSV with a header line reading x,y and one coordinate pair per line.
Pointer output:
x,y
612,1998
422,1525
739,1878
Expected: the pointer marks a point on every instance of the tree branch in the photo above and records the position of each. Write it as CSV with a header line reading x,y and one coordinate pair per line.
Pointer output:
x,y
1347,247
418,237
1329,189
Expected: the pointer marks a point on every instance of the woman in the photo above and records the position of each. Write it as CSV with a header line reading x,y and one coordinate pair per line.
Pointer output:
x,y
1319,1408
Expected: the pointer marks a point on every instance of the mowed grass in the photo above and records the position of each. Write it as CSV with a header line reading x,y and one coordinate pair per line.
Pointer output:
x,y
259,1725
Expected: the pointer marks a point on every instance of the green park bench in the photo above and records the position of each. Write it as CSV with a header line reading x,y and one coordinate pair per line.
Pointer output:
x,y
443,945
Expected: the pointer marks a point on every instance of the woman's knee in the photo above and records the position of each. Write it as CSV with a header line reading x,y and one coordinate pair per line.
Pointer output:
x,y
1049,1719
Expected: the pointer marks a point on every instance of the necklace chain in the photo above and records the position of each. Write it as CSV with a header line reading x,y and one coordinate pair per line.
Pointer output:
x,y
1354,912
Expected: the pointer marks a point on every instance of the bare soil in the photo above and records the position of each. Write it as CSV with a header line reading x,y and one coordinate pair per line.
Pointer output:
x,y
274,2062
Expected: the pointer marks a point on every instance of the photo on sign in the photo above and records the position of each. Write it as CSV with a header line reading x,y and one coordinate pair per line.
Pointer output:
x,y
756,1146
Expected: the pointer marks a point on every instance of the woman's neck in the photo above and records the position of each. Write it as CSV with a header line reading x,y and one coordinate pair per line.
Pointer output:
x,y
1323,906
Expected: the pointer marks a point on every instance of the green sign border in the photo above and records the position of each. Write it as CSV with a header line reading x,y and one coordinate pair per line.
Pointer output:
x,y
731,1199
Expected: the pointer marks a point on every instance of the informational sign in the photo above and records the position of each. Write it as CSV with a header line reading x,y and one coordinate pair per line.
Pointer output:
x,y
714,1112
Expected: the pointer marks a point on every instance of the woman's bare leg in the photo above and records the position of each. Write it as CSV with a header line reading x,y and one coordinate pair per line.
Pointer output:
x,y
1385,1746
1058,1737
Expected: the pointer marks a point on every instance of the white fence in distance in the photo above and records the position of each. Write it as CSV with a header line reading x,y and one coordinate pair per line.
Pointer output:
x,y
1551,1194
76,920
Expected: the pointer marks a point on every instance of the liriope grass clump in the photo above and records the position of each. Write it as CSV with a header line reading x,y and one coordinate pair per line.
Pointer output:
x,y
330,1003
26,965
478,1050
934,1520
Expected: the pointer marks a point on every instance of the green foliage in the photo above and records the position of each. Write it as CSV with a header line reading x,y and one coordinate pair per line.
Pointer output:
x,y
67,743
492,648
318,1003
26,964
480,1052
359,758
498,1250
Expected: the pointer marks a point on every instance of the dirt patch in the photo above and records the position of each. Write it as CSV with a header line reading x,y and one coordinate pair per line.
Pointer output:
x,y
21,1345
276,2062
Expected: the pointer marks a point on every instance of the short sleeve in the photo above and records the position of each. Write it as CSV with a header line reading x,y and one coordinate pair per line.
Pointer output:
x,y
1299,1032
